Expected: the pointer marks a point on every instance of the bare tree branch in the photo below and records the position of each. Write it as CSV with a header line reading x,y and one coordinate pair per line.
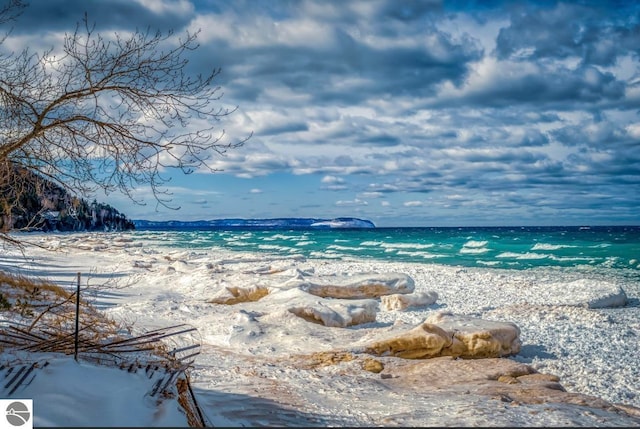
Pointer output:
x,y
109,113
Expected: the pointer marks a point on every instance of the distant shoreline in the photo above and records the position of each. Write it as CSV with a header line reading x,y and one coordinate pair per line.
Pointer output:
x,y
271,223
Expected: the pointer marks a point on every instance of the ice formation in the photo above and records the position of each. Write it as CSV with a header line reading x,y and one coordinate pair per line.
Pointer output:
x,y
328,312
370,285
235,294
446,334
335,301
400,302
590,293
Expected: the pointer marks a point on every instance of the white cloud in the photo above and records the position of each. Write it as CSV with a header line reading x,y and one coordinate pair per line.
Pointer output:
x,y
356,202
174,7
332,180
371,194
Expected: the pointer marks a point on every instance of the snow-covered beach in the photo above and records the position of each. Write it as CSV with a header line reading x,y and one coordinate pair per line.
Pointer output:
x,y
262,362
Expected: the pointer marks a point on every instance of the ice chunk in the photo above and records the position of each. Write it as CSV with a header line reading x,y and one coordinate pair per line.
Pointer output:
x,y
400,301
233,294
445,334
371,285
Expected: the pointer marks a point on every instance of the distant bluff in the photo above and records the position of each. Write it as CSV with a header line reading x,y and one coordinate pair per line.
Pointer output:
x,y
42,205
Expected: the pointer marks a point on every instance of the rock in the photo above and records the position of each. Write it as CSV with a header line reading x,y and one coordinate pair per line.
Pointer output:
x,y
372,365
508,379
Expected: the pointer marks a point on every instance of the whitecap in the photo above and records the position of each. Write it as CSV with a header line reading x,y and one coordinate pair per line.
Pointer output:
x,y
425,255
406,246
527,255
304,243
474,250
572,258
371,243
238,243
547,246
489,263
348,248
272,247
474,243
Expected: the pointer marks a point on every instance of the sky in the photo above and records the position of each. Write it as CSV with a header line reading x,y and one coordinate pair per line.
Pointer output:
x,y
406,113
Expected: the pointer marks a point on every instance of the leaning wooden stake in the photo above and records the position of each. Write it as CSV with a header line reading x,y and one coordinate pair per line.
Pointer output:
x,y
75,348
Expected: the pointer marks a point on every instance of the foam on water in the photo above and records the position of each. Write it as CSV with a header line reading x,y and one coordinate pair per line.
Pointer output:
x,y
425,255
475,244
474,250
547,246
406,246
527,255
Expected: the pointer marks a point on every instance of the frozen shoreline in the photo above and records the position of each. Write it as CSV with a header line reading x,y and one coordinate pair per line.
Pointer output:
x,y
249,346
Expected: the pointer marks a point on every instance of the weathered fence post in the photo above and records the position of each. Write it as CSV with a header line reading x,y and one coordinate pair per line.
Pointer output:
x,y
75,347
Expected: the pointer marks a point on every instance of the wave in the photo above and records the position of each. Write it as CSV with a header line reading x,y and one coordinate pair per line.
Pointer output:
x,y
528,255
547,246
406,246
474,243
474,250
327,255
305,243
390,247
288,237
572,258
273,247
425,255
489,263
372,243
347,248
238,243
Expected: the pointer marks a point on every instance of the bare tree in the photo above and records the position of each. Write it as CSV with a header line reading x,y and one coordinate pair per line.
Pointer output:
x,y
109,113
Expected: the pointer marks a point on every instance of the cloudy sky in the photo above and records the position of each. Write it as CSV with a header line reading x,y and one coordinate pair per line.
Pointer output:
x,y
407,113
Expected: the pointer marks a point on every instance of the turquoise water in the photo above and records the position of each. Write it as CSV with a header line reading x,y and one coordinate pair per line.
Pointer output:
x,y
616,247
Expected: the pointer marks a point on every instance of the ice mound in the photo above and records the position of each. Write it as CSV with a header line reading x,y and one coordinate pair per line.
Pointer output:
x,y
359,285
400,301
446,334
588,293
234,294
327,312
333,300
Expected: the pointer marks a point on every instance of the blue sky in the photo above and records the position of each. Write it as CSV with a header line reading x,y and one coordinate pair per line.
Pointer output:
x,y
407,113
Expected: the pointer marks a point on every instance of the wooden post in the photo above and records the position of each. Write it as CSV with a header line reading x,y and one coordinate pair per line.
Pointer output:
x,y
75,347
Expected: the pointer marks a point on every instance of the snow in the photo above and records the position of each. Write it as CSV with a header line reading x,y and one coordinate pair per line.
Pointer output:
x,y
275,354
69,393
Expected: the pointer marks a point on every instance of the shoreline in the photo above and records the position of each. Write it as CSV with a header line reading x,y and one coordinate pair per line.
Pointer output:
x,y
163,286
